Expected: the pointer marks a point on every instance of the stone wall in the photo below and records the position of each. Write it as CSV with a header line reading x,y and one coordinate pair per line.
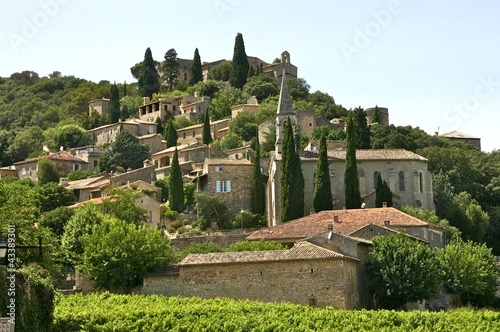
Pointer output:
x,y
146,174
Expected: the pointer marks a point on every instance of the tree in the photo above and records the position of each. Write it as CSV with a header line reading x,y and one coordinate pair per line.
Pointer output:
x,y
323,199
209,88
114,105
212,210
258,199
220,107
57,219
298,87
362,131
47,172
382,193
175,189
121,205
352,195
51,195
401,270
244,125
376,115
170,134
207,134
228,142
67,136
159,126
239,69
117,254
170,69
149,81
221,71
126,152
261,245
470,271
261,86
196,72
291,180
470,219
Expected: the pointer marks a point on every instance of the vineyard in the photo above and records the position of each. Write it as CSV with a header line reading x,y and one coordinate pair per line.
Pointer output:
x,y
109,312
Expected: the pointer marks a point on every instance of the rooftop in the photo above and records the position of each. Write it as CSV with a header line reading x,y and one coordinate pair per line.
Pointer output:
x,y
223,161
457,134
56,156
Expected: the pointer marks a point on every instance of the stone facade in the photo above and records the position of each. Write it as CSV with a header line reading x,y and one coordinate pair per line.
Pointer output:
x,y
90,153
64,162
194,133
107,134
190,107
100,106
463,138
383,112
251,106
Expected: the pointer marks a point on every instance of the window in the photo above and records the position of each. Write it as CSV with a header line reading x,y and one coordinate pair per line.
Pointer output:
x,y
361,172
223,186
183,135
194,133
76,167
332,172
414,232
401,181
30,171
421,182
95,163
390,171
375,178
218,168
23,172
150,216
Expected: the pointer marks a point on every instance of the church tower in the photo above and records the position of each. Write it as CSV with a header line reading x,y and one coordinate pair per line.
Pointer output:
x,y
284,111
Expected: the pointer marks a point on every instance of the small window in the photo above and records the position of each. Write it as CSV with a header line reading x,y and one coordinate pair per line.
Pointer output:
x,y
421,182
150,216
76,167
95,163
332,172
218,169
375,178
361,172
194,133
401,181
312,301
223,186
414,232
310,124
184,135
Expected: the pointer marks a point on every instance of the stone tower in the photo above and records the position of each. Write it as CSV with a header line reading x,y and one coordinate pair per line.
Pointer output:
x,y
284,111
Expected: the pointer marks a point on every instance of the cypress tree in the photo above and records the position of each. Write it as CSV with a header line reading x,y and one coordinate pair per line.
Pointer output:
x,y
352,196
376,115
292,180
258,195
149,81
159,126
196,71
239,68
170,134
362,130
323,199
170,69
114,105
207,135
382,192
175,187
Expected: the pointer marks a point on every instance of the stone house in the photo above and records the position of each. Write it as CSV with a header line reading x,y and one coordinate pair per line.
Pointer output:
x,y
229,178
306,274
155,142
194,133
90,153
188,106
8,173
107,134
64,162
276,69
100,106
251,106
383,113
458,136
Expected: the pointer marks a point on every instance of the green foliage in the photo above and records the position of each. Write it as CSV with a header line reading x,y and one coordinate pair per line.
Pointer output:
x,y
247,219
298,87
228,142
47,172
79,174
362,131
189,200
105,312
170,134
159,126
330,134
170,69
57,219
126,151
469,218
244,125
470,271
291,178
239,69
258,199
117,254
121,205
26,143
149,79
163,184
221,71
401,270
207,134
212,210
209,88
201,248
68,136
430,216
171,214
352,195
114,105
323,199
129,106
382,193
182,122
196,72
261,245
220,107
402,137
52,195
324,104
376,115
175,186
261,86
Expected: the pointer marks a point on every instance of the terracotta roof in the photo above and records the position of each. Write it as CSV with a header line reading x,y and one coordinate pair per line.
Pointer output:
x,y
60,155
361,155
457,134
348,222
223,161
300,251
98,201
88,183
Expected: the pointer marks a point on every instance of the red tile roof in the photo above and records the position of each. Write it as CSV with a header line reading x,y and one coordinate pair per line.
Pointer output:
x,y
348,222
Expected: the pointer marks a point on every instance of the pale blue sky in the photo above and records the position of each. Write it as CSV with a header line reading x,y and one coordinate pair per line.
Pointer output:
x,y
434,64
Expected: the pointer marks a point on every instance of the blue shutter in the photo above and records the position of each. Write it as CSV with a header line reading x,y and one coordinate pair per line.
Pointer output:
x,y
217,186
228,186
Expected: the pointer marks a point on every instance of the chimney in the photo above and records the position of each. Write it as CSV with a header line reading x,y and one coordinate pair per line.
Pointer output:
x,y
145,100
384,204
387,223
63,182
336,219
330,227
312,211
416,213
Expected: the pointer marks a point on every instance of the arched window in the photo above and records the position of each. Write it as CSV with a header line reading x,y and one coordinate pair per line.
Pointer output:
x,y
421,182
401,181
375,178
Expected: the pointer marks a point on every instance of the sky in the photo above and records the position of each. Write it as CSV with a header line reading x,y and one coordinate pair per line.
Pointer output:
x,y
433,64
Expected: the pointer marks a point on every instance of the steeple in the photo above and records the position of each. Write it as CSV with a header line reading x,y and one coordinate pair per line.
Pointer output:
x,y
285,101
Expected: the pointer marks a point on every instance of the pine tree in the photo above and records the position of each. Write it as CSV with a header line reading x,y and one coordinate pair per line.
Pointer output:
x,y
362,130
170,134
175,187
292,180
170,69
258,195
159,126
149,81
207,135
239,69
382,193
114,105
376,115
352,196
323,199
196,71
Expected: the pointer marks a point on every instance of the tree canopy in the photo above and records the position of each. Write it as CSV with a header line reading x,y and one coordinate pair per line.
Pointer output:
x,y
239,69
170,69
196,72
126,152
323,199
352,195
149,80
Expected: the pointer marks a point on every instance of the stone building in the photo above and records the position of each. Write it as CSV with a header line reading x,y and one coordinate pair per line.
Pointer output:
x,y
229,178
100,106
458,136
383,113
277,69
251,106
194,133
190,107
90,153
107,134
64,162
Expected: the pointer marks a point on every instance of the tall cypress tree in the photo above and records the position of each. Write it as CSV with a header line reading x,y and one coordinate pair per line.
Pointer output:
x,y
323,199
382,193
149,81
159,126
258,195
170,134
170,69
175,187
196,71
207,135
114,105
239,68
352,196
362,130
376,115
292,180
